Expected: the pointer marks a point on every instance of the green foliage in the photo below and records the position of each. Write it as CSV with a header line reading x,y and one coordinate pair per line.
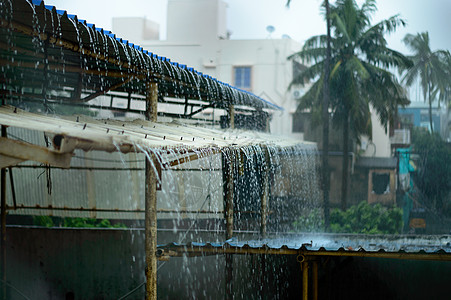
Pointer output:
x,y
47,221
360,75
367,219
310,222
90,223
433,176
360,63
430,68
44,221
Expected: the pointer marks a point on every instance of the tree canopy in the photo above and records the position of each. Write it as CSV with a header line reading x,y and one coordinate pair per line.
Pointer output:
x,y
431,68
359,78
433,176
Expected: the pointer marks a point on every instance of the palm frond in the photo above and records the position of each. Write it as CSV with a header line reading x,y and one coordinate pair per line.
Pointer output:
x,y
310,55
308,74
355,66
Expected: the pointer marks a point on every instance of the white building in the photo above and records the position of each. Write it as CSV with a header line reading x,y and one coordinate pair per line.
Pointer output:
x,y
197,36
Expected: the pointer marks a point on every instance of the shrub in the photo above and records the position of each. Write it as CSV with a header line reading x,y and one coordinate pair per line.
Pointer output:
x,y
44,221
47,221
367,219
90,223
313,221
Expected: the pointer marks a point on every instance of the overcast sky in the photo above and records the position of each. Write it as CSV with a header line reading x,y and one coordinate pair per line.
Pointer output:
x,y
248,19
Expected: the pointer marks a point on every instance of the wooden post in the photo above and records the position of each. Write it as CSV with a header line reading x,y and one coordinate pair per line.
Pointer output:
x,y
304,280
232,116
3,226
152,101
228,166
265,192
151,203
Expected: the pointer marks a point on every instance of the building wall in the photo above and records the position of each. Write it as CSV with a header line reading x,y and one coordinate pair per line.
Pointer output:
x,y
417,114
198,20
379,146
143,29
197,37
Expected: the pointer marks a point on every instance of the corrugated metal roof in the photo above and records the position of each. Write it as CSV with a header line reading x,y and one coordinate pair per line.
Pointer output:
x,y
390,246
95,188
132,136
49,49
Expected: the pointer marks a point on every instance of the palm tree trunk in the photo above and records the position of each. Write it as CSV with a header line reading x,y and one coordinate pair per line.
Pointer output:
x,y
325,112
430,109
344,178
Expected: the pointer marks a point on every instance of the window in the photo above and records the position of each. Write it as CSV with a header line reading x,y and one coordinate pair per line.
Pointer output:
x,y
381,183
243,78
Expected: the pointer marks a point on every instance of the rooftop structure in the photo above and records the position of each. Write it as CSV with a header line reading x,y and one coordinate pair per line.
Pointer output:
x,y
51,58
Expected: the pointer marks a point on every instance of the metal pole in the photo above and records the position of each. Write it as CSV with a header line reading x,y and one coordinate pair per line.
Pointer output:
x,y
305,280
3,226
315,279
151,204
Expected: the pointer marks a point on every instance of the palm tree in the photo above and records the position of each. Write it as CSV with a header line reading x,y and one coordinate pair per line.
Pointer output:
x,y
430,67
359,78
325,116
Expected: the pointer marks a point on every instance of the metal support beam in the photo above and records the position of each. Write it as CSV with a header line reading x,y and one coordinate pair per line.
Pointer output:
x,y
200,251
13,189
151,203
106,90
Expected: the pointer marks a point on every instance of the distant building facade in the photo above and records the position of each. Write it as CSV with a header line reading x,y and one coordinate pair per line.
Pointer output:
x,y
417,115
197,35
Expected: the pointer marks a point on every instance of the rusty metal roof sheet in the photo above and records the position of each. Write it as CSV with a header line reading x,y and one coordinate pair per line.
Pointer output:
x,y
389,246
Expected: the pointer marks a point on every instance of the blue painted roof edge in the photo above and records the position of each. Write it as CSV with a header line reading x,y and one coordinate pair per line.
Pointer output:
x,y
139,48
